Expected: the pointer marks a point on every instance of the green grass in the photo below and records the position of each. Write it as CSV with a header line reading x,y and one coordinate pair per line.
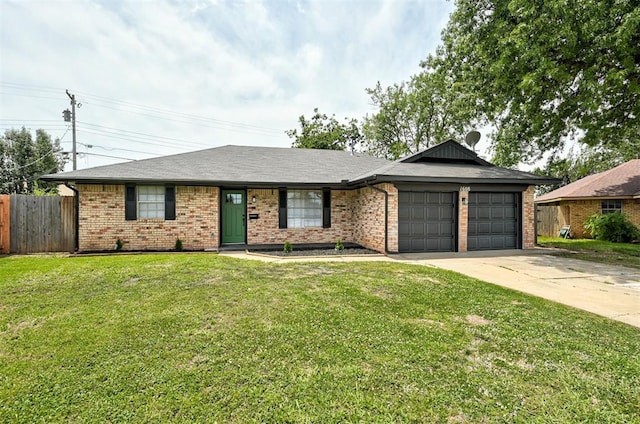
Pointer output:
x,y
627,254
201,338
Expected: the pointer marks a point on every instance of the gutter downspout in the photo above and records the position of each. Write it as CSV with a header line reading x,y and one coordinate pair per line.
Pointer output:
x,y
76,212
386,215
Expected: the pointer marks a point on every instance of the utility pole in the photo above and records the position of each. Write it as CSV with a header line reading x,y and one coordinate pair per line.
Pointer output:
x,y
73,125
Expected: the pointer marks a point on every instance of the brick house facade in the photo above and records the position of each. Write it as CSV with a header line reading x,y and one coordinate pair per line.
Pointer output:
x,y
149,205
576,212
357,217
615,190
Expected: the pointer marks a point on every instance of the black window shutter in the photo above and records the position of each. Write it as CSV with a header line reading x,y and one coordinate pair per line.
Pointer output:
x,y
282,209
326,208
130,203
170,202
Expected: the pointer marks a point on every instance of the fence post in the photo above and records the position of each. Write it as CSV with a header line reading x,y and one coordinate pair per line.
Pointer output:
x,y
5,232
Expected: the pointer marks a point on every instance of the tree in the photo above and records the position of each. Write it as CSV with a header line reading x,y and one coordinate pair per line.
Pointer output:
x,y
541,71
23,161
417,114
323,132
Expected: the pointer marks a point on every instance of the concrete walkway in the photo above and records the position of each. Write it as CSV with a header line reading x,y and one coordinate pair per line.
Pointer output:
x,y
607,290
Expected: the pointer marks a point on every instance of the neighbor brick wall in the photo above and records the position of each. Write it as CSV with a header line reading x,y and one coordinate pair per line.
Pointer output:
x,y
528,219
581,210
102,220
264,230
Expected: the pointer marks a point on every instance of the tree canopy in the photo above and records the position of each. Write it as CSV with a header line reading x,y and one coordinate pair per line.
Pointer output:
x,y
539,74
324,132
416,114
23,160
544,71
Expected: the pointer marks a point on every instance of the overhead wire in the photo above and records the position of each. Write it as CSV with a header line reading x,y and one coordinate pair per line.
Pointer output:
x,y
172,112
219,124
130,107
116,148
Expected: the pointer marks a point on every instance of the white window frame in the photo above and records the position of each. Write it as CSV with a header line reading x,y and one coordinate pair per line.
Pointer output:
x,y
151,202
304,208
611,206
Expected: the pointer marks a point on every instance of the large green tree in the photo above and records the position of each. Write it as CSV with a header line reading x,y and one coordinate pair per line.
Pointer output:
x,y
416,114
326,132
546,71
23,160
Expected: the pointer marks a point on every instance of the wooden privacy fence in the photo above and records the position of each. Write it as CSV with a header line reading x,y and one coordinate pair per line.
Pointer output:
x,y
32,224
548,221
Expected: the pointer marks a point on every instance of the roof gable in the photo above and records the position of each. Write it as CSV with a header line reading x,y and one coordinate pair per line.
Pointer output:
x,y
448,152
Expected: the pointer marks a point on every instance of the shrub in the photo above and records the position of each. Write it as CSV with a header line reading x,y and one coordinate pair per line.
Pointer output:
x,y
613,227
339,246
288,247
119,245
178,246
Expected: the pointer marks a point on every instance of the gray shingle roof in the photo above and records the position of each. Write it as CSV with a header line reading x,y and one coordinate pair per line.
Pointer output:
x,y
245,165
451,172
233,165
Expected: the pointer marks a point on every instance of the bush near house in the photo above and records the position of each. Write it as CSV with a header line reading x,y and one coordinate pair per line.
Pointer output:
x,y
614,227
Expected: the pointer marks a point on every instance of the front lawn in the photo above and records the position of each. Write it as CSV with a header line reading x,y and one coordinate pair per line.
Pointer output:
x,y
202,338
627,254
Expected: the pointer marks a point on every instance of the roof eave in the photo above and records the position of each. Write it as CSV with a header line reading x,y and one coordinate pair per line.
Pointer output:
x,y
199,182
460,180
573,198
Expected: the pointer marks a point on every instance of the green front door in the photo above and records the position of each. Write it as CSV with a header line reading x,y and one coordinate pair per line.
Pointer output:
x,y
233,216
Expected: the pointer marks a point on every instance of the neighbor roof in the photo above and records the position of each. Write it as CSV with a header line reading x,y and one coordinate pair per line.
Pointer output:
x,y
272,166
621,181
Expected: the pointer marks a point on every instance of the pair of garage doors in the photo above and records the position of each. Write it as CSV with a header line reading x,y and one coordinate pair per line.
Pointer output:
x,y
428,221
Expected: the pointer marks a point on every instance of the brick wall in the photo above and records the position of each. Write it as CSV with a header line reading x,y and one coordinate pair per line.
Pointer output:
x,y
102,220
357,216
264,230
528,219
581,210
368,217
463,220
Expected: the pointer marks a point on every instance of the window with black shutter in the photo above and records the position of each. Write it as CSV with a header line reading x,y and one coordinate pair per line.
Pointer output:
x,y
305,208
150,202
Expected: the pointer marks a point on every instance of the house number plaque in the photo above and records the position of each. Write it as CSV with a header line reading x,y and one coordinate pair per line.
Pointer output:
x,y
465,188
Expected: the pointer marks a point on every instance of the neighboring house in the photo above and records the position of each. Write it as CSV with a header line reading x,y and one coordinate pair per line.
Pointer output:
x,y
616,190
442,199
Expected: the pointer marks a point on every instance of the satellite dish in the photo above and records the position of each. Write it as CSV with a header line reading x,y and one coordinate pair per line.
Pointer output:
x,y
472,139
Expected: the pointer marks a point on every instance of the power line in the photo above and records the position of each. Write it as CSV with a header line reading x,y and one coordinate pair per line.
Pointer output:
x,y
104,156
219,124
182,114
117,148
28,95
29,87
110,130
130,139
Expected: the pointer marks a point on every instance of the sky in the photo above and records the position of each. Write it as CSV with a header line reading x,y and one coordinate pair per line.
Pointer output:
x,y
164,77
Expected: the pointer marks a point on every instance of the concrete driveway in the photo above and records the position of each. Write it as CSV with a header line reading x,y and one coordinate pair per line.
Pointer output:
x,y
607,290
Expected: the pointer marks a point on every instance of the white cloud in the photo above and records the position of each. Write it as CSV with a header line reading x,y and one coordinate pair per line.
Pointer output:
x,y
256,64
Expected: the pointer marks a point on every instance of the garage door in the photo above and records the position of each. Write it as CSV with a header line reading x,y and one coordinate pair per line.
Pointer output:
x,y
493,221
426,221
